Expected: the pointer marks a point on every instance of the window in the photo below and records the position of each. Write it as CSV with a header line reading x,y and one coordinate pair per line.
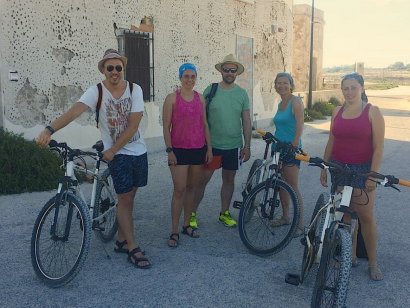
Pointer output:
x,y
138,48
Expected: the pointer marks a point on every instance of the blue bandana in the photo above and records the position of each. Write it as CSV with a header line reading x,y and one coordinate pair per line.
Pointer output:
x,y
186,66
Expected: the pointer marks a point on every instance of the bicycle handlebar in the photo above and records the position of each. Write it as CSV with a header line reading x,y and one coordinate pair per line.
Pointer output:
x,y
385,180
269,138
77,152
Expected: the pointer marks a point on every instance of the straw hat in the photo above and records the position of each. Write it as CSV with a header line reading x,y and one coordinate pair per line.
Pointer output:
x,y
230,59
111,54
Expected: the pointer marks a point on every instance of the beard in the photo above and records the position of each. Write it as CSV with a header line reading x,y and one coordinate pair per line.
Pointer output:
x,y
229,79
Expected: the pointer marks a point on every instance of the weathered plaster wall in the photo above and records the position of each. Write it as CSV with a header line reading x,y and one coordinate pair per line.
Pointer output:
x,y
301,42
55,45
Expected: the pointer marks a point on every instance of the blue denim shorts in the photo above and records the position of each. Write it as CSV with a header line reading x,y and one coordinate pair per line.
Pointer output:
x,y
340,179
128,171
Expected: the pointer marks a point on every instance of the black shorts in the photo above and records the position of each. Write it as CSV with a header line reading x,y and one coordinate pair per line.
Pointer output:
x,y
190,156
227,159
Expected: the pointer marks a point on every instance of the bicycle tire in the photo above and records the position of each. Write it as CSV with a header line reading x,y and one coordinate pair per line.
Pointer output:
x,y
58,258
314,234
105,199
254,175
260,208
332,280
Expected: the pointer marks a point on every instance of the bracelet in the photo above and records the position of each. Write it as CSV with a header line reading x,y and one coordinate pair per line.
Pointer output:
x,y
50,129
247,147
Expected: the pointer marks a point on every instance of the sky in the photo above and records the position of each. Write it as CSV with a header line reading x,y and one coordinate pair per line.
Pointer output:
x,y
376,32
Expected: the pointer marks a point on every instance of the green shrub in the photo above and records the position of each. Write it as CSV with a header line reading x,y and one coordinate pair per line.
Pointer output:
x,y
311,114
335,101
25,167
326,109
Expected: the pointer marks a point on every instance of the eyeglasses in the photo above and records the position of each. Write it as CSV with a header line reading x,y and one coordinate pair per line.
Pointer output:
x,y
229,70
189,77
118,68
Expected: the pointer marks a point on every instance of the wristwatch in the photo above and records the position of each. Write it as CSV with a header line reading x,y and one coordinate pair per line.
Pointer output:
x,y
168,150
50,129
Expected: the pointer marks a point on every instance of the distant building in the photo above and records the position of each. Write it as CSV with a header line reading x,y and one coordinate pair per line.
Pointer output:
x,y
302,16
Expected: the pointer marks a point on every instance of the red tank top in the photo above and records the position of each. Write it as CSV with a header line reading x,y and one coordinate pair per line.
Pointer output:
x,y
187,122
353,138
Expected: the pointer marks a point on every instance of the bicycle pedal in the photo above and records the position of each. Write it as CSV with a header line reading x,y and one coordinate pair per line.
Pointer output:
x,y
293,279
237,204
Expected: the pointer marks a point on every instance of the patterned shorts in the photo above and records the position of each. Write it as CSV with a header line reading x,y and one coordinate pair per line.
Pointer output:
x,y
340,179
128,171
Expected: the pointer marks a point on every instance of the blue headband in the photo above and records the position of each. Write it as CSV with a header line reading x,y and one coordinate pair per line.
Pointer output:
x,y
186,66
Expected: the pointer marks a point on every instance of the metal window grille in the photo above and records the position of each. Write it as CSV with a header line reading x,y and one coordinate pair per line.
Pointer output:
x,y
138,47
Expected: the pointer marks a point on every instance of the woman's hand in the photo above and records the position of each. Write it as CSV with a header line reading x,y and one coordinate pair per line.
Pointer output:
x,y
323,177
172,159
370,185
209,156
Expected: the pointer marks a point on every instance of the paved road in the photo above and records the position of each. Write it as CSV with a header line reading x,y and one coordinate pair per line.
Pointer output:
x,y
215,270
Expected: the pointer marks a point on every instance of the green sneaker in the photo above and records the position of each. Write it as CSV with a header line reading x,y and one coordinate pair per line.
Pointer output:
x,y
192,221
227,219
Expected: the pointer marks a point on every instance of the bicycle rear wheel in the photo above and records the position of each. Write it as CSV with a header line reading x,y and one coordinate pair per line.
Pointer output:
x,y
332,279
314,234
105,202
261,208
58,255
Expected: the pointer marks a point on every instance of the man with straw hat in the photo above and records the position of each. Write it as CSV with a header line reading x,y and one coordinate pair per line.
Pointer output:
x,y
230,127
119,116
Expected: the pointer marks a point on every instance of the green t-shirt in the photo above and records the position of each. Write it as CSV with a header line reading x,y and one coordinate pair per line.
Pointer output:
x,y
225,116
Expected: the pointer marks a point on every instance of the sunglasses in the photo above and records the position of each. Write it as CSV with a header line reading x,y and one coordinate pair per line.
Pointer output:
x,y
230,70
118,68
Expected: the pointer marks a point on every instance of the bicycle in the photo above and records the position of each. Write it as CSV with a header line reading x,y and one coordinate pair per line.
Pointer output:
x,y
328,240
262,207
62,231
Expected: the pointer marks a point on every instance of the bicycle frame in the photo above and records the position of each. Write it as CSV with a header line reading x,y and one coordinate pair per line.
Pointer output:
x,y
335,208
70,182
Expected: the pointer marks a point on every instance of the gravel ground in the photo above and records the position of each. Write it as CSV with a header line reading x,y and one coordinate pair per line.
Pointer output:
x,y
215,270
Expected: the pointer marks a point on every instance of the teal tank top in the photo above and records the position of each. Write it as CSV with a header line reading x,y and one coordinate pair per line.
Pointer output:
x,y
285,124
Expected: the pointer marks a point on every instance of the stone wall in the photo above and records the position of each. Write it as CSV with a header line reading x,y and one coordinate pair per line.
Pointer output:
x,y
54,47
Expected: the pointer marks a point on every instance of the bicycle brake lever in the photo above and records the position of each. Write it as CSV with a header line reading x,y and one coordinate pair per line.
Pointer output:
x,y
393,186
317,165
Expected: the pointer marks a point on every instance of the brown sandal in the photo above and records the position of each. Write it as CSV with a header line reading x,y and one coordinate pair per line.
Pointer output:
x,y
193,233
132,258
174,237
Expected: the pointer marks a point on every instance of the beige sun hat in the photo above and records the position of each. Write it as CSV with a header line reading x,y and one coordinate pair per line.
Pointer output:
x,y
230,59
111,54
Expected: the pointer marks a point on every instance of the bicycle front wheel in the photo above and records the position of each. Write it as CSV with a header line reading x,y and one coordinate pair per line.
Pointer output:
x,y
314,236
60,240
254,176
262,208
105,207
332,279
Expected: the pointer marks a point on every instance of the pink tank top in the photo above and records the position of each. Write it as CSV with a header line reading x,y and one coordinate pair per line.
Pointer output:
x,y
353,138
187,122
